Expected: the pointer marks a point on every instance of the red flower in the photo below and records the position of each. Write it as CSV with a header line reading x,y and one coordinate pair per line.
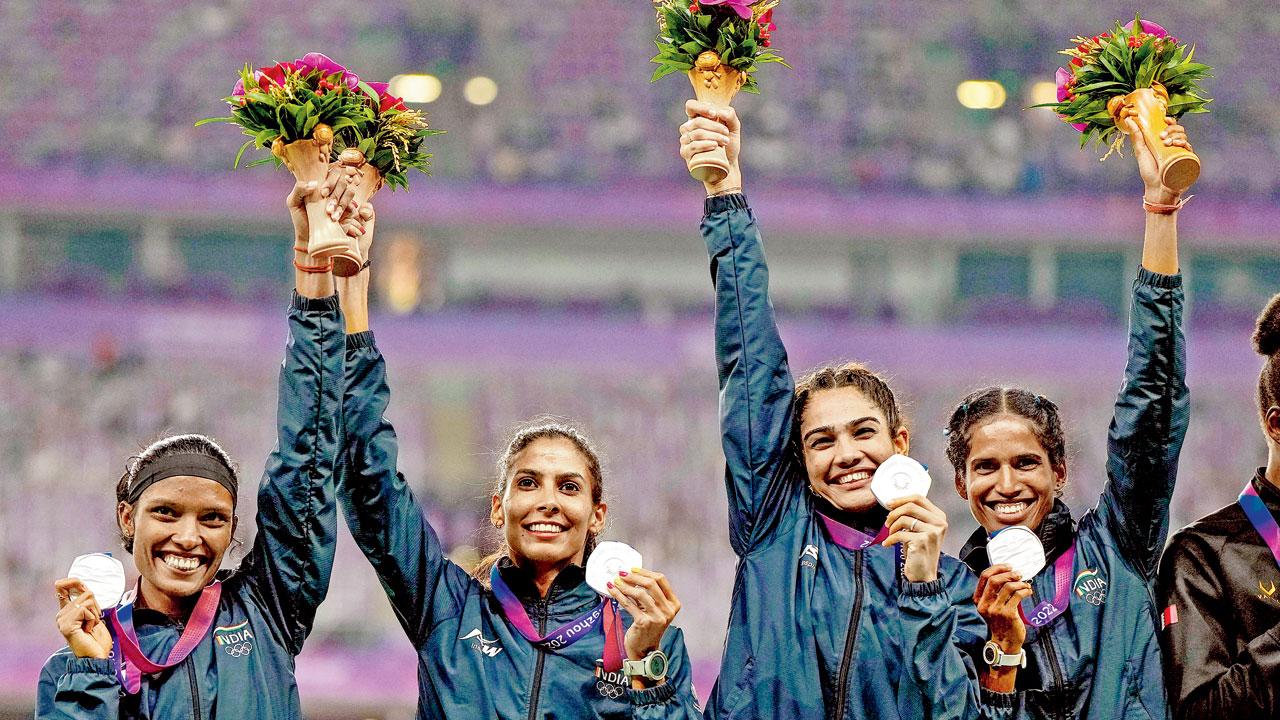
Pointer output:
x,y
766,22
388,101
693,7
1077,62
274,74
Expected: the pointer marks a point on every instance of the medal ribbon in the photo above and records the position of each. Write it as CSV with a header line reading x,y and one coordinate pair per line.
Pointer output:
x,y
1260,517
849,538
567,634
1049,610
127,656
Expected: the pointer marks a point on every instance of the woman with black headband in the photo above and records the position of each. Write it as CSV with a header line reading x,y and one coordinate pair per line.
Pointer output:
x,y
525,636
191,641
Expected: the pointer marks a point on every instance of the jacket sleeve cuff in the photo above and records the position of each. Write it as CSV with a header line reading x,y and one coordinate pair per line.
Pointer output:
x,y
999,704
306,304
1157,280
359,340
653,695
95,666
923,589
724,203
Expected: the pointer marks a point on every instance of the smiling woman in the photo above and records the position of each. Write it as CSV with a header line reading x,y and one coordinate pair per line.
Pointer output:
x,y
523,635
1091,649
238,631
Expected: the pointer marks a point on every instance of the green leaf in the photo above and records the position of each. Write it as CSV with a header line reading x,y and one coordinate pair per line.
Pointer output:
x,y
206,121
243,147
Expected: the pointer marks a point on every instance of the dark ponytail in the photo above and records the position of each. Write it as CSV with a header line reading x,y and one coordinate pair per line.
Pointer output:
x,y
1266,341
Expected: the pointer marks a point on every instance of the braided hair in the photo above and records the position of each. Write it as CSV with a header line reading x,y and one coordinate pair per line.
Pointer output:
x,y
982,405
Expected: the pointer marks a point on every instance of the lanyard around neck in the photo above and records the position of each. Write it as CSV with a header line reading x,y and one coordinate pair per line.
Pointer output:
x,y
562,637
131,663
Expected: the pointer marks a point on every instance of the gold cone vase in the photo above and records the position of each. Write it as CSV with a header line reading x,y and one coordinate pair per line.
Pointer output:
x,y
714,83
308,160
1179,167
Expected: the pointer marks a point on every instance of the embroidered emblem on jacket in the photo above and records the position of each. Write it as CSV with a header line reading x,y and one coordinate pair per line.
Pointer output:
x,y
235,640
809,557
612,685
1090,586
1268,591
481,644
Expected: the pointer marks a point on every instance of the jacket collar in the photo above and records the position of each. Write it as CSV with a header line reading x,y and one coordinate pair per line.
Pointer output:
x,y
1057,531
1268,492
868,521
570,585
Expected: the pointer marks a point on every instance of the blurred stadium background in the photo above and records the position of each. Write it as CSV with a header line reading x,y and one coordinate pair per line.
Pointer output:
x,y
552,262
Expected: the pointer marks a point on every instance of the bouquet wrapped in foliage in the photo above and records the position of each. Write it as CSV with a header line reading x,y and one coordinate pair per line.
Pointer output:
x,y
296,109
382,150
1135,71
719,43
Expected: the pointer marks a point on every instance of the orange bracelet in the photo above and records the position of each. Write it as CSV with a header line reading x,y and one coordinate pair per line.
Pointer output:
x,y
1159,209
327,267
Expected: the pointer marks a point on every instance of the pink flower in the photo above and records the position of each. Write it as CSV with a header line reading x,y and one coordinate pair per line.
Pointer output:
x,y
311,61
1064,78
741,7
1149,28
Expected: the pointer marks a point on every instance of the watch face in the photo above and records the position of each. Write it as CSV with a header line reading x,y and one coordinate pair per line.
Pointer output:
x,y
657,665
990,653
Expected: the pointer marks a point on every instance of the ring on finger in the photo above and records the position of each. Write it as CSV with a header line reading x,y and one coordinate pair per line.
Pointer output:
x,y
914,522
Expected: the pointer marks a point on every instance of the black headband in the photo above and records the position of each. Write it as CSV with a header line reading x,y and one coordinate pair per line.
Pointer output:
x,y
190,464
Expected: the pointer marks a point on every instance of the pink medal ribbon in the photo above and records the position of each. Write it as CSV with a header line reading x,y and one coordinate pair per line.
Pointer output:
x,y
1049,610
127,656
567,634
849,538
1260,517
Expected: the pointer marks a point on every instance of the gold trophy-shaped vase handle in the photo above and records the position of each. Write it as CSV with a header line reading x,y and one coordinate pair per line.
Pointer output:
x,y
308,160
368,180
716,84
1179,167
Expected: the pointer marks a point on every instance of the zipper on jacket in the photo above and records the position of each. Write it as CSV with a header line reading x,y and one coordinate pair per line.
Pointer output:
x,y
542,657
195,690
850,636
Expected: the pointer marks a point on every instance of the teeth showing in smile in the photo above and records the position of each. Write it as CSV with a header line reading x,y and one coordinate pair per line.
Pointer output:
x,y
1010,508
545,528
177,562
853,477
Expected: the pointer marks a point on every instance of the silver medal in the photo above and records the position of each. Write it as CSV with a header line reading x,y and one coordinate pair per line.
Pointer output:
x,y
103,575
898,477
1019,548
606,560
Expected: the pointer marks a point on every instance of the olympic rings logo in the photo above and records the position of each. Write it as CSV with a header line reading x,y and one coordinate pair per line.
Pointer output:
x,y
609,690
240,650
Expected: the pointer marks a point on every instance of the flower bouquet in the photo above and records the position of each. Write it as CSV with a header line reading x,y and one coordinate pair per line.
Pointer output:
x,y
719,43
298,109
1141,69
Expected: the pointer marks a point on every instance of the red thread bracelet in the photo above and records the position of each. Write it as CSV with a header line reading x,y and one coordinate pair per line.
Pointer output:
x,y
1159,209
328,267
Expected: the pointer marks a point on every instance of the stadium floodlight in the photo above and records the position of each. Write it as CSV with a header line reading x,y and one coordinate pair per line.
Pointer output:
x,y
416,88
981,94
480,90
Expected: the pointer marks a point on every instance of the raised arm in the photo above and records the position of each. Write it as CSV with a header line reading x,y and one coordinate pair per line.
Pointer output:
x,y
756,386
292,556
384,517
1208,674
1152,408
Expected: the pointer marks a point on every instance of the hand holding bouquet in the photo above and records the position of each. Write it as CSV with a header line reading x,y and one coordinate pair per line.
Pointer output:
x,y
719,43
1130,80
313,111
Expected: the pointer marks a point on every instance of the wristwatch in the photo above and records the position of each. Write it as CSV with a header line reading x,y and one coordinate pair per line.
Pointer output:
x,y
996,657
652,667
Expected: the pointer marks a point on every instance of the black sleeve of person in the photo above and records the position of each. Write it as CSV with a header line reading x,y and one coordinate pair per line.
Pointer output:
x,y
1216,665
